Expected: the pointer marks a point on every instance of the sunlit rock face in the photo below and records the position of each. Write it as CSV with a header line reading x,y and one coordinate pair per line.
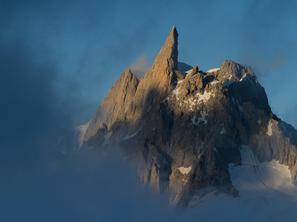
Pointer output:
x,y
185,127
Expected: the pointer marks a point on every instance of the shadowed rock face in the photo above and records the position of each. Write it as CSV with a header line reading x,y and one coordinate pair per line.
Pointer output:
x,y
116,106
185,128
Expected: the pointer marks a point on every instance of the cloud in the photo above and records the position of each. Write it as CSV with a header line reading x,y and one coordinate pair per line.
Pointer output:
x,y
29,101
42,183
140,66
41,104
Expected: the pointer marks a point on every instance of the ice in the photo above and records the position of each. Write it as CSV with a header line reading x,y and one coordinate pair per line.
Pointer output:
x,y
185,170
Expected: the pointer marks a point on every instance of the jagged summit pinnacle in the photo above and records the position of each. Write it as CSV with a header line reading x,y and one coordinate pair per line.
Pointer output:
x,y
173,33
169,49
161,76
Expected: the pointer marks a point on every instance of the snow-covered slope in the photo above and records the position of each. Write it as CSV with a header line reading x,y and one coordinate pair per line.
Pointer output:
x,y
252,175
266,193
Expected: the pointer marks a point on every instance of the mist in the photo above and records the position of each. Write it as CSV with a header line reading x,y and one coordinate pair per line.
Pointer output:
x,y
58,60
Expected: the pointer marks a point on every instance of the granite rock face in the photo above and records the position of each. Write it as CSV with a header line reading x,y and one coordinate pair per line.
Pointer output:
x,y
184,128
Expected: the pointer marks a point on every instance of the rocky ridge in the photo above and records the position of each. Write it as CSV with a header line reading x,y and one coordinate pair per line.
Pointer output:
x,y
185,128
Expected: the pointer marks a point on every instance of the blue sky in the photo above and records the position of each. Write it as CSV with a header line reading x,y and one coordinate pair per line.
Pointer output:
x,y
91,42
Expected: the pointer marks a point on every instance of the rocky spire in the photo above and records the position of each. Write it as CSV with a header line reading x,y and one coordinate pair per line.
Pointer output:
x,y
169,51
161,76
128,90
115,106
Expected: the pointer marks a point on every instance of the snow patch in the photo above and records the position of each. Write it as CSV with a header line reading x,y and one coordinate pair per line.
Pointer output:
x,y
213,70
185,170
269,128
132,135
243,77
203,117
192,101
256,176
180,81
176,90
223,131
194,120
215,82
202,98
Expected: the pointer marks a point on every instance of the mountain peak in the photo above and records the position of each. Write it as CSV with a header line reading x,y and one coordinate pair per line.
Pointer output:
x,y
185,133
161,77
235,69
169,50
173,33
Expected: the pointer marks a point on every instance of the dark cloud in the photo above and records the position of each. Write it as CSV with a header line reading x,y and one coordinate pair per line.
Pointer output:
x,y
38,107
28,99
39,181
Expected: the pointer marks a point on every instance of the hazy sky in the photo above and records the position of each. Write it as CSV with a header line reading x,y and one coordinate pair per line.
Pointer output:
x,y
91,42
58,59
